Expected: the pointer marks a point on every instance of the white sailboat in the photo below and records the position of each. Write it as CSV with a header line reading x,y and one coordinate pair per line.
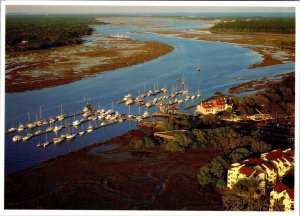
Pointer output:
x,y
61,116
45,144
198,67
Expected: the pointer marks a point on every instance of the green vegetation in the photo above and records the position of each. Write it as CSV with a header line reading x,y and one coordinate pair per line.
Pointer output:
x,y
235,146
269,25
213,173
245,196
146,142
278,99
33,32
181,122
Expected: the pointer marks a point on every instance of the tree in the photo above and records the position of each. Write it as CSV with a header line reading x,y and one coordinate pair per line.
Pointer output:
x,y
184,140
204,176
260,147
209,120
200,138
213,173
149,143
173,146
238,154
245,195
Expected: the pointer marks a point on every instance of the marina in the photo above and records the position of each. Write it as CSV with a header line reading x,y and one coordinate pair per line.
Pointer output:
x,y
164,105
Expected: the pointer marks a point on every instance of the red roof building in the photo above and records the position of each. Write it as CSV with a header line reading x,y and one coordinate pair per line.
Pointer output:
x,y
214,106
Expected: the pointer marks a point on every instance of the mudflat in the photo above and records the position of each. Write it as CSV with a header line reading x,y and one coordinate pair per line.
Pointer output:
x,y
32,70
111,175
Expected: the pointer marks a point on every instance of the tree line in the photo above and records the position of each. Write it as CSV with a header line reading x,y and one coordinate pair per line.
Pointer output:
x,y
33,32
270,25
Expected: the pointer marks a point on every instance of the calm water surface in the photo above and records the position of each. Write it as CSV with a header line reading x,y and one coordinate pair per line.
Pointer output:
x,y
220,64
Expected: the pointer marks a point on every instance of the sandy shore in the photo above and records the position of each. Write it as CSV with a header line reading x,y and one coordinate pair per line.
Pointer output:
x,y
58,66
121,178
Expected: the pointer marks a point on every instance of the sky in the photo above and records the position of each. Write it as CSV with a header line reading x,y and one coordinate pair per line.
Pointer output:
x,y
139,9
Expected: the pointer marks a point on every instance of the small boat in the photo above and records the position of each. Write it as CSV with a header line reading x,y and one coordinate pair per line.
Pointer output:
x,y
38,132
16,138
130,116
20,128
70,136
198,67
49,129
185,91
103,124
51,120
58,140
148,105
27,137
12,129
81,133
76,123
193,97
129,102
127,97
61,116
87,114
89,129
45,144
164,90
139,118
39,145
57,128
87,108
31,125
180,101
146,114
39,123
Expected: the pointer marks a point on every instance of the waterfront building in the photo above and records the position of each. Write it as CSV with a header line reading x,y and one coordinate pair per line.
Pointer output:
x,y
270,172
284,196
280,159
214,106
238,171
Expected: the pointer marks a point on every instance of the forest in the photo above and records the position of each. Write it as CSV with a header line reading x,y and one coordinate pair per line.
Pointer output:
x,y
269,25
34,32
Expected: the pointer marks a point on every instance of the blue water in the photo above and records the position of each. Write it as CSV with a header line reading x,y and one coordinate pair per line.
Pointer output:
x,y
220,64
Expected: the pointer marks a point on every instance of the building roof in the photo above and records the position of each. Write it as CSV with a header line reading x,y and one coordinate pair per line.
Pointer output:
x,y
248,171
280,187
273,154
291,153
290,192
266,165
253,161
286,157
283,159
216,102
